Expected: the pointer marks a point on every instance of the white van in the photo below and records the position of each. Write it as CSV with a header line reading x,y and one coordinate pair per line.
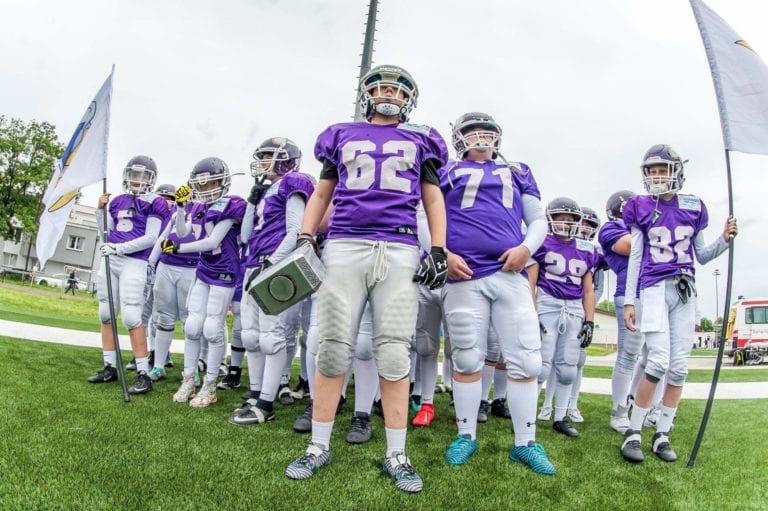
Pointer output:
x,y
748,330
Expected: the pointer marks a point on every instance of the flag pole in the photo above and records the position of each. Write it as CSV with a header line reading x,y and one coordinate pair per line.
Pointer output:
x,y
112,318
723,326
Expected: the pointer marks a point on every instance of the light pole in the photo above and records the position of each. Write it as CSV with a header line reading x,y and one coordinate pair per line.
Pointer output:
x,y
716,273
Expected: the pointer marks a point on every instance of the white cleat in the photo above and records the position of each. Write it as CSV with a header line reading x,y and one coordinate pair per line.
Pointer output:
x,y
186,391
575,415
206,396
545,414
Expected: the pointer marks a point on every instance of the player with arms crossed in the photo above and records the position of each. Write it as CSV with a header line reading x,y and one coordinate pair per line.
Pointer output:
x,y
134,220
666,229
486,202
375,172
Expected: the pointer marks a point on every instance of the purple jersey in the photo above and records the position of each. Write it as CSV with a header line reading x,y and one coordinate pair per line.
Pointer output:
x,y
379,177
269,221
610,233
669,228
221,266
562,264
484,208
129,218
194,215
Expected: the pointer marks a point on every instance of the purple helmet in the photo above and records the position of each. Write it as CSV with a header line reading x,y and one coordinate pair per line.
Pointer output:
x,y
207,171
276,156
139,175
614,208
383,76
567,228
590,223
475,130
662,154
167,191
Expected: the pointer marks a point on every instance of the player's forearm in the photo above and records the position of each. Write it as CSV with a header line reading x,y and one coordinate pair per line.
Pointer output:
x,y
705,253
182,227
294,216
157,248
535,221
589,298
434,207
633,266
247,226
211,242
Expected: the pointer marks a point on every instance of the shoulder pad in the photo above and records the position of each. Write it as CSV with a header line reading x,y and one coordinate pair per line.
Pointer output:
x,y
690,202
219,205
585,245
148,197
418,128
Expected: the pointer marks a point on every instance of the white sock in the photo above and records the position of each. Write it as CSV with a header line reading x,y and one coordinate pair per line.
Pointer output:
x,y
576,389
255,369
273,369
216,353
549,391
142,364
428,369
499,383
620,388
395,441
636,418
163,341
311,371
366,383
321,433
521,400
191,354
110,358
487,380
466,401
562,396
665,421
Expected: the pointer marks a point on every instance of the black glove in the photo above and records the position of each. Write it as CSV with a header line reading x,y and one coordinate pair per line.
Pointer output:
x,y
257,192
305,239
433,270
585,334
542,329
169,247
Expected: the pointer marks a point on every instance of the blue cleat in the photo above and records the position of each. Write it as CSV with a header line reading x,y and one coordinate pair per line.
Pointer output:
x,y
310,462
534,456
460,450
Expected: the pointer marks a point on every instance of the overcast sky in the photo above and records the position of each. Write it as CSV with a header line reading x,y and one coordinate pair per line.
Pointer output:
x,y
581,88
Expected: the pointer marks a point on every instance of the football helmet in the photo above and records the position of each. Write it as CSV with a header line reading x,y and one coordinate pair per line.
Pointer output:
x,y
614,207
139,175
207,171
275,156
662,154
383,76
167,191
567,228
590,223
475,130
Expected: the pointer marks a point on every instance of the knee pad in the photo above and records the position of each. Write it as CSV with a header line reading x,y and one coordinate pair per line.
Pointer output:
x,y
527,365
104,315
334,358
193,326
467,360
546,368
566,374
132,316
213,330
164,321
424,344
250,339
393,359
271,343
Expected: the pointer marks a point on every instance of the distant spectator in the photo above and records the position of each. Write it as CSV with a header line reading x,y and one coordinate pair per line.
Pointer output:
x,y
71,282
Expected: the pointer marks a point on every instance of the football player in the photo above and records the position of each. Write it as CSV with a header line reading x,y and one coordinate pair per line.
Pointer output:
x,y
487,201
234,370
667,230
215,276
565,300
272,222
615,241
375,171
133,223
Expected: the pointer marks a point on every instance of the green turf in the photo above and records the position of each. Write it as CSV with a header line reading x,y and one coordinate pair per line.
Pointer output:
x,y
727,374
66,444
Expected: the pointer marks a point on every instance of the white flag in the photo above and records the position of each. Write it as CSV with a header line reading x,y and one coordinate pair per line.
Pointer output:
x,y
84,162
741,83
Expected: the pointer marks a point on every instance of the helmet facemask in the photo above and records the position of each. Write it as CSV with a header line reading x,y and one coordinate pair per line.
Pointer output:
x,y
567,228
657,182
203,191
588,230
371,96
138,179
271,163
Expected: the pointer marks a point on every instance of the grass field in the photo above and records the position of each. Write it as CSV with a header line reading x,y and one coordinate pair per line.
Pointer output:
x,y
728,374
66,444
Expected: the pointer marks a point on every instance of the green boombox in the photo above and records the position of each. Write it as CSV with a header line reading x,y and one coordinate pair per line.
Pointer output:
x,y
288,282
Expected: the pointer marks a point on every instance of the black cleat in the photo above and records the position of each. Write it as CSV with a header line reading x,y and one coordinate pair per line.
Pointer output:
x,y
109,373
340,408
360,432
142,384
303,423
250,394
169,362
284,395
377,408
232,380
564,427
131,366
630,448
499,408
482,412
661,447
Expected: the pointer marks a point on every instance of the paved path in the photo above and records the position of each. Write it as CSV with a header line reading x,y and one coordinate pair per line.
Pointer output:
x,y
753,390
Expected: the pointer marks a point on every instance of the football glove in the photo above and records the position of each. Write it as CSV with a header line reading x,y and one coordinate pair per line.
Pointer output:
x,y
108,249
183,194
257,192
585,334
433,269
169,247
305,239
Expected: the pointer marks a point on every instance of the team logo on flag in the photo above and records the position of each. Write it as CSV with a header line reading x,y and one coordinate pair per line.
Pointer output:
x,y
745,44
69,154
